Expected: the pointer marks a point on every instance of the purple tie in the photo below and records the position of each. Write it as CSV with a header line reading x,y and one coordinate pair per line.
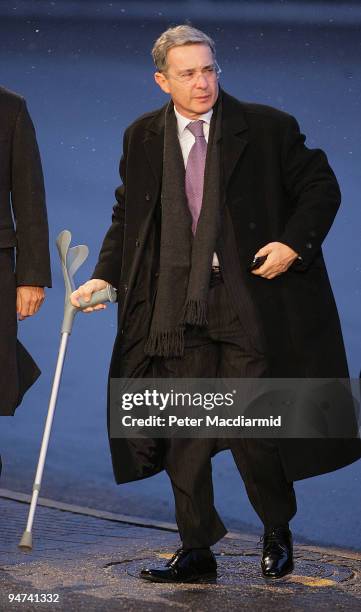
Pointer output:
x,y
195,171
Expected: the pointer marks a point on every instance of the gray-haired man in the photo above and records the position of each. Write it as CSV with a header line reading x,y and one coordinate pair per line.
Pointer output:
x,y
208,183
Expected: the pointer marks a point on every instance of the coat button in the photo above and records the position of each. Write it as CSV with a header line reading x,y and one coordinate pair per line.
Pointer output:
x,y
147,197
137,242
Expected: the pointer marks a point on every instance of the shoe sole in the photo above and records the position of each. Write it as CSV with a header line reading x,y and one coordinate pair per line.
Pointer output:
x,y
270,577
202,578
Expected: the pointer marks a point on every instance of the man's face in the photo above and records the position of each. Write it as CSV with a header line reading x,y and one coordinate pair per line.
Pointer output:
x,y
190,79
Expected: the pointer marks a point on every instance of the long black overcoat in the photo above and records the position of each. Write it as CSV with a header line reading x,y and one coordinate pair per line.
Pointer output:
x,y
24,232
276,189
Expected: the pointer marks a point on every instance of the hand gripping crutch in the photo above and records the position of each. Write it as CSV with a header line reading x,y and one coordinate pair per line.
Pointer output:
x,y
71,260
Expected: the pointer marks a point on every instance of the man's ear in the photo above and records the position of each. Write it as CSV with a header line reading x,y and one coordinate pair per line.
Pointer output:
x,y
162,81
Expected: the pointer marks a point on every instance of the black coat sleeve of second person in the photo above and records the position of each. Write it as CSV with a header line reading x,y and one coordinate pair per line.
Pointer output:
x,y
28,204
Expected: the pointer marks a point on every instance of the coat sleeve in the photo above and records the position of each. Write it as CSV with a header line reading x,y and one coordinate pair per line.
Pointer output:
x,y
28,205
109,263
313,188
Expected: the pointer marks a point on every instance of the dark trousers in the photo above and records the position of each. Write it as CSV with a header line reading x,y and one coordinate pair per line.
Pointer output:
x,y
222,349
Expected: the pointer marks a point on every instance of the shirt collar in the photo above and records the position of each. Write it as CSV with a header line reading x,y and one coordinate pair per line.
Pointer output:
x,y
182,121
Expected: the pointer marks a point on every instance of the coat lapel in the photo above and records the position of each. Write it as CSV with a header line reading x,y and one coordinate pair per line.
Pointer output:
x,y
153,144
234,138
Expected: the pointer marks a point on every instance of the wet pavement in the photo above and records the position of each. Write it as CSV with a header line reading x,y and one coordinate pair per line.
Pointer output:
x,y
83,562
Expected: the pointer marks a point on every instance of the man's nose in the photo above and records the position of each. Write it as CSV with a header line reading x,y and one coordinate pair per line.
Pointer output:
x,y
201,81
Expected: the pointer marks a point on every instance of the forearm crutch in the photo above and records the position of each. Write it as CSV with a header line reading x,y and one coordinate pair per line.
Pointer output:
x,y
71,260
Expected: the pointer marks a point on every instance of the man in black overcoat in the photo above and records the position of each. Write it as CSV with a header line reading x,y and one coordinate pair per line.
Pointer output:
x,y
208,183
24,245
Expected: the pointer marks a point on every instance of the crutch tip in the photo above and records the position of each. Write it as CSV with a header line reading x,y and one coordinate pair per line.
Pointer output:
x,y
26,542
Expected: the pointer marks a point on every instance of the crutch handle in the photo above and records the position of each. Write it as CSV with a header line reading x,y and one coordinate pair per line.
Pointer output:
x,y
108,294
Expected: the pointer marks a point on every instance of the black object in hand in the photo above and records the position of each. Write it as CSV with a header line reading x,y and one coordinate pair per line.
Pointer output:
x,y
257,262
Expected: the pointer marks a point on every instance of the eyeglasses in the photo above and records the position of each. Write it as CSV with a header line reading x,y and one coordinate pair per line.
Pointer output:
x,y
187,77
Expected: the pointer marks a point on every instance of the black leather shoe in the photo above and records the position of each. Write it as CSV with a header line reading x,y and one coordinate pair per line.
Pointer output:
x,y
185,566
277,558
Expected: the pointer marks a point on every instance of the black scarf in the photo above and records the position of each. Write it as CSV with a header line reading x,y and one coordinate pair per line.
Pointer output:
x,y
185,261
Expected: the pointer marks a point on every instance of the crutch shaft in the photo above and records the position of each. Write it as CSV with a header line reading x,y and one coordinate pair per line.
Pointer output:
x,y
47,429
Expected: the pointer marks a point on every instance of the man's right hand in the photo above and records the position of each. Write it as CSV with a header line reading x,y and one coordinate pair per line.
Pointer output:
x,y
85,292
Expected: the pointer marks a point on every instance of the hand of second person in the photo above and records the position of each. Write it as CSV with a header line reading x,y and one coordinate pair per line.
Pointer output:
x,y
28,300
279,258
85,292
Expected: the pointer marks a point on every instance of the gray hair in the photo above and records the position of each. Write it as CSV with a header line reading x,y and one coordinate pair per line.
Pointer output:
x,y
176,37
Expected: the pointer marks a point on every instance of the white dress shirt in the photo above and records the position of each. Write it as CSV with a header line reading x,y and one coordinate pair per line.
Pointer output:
x,y
187,140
